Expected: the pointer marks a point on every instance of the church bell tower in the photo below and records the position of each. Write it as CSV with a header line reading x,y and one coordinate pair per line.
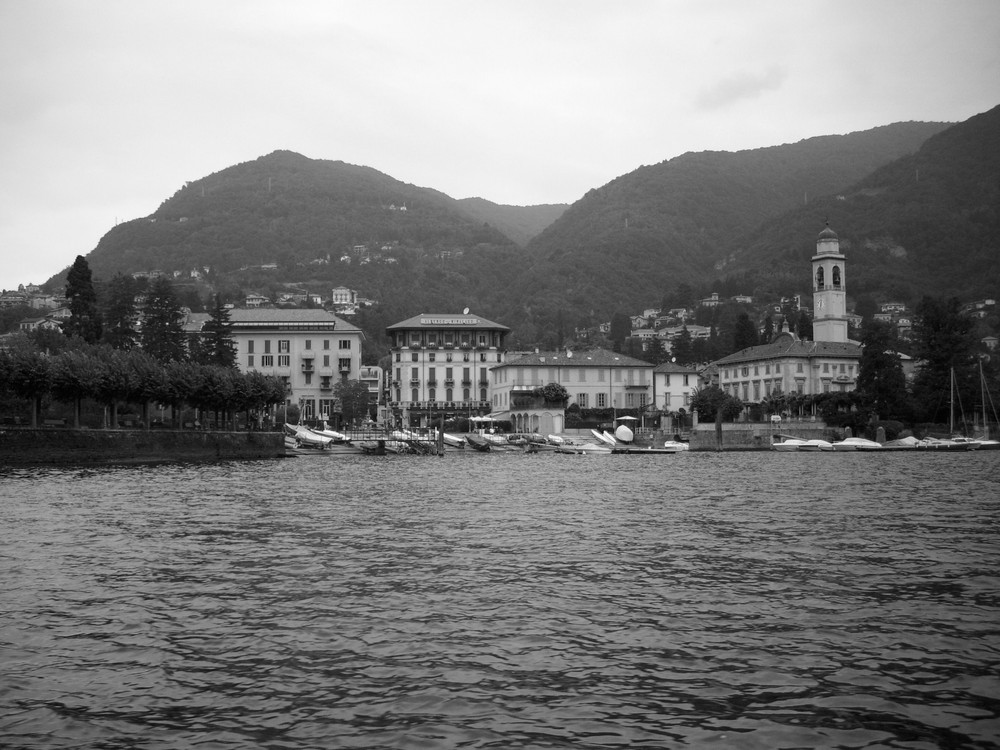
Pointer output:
x,y
829,289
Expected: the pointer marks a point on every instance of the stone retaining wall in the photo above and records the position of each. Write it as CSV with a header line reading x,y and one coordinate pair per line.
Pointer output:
x,y
54,446
755,436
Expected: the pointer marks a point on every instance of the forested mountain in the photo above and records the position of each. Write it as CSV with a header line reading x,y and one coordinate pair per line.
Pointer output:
x,y
927,223
679,220
915,205
287,209
520,223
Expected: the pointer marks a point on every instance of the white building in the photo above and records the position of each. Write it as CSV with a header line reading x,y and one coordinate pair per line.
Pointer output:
x,y
341,295
440,366
828,363
673,386
309,349
594,379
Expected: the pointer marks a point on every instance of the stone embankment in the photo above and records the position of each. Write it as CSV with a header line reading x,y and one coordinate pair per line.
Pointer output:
x,y
754,436
62,446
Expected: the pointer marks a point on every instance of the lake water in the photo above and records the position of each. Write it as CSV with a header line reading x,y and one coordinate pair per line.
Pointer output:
x,y
737,600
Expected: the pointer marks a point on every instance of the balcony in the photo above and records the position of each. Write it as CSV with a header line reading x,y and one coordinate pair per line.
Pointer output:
x,y
414,381
344,368
466,382
432,381
449,381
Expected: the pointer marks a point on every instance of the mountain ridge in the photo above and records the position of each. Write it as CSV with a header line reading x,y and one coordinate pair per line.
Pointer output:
x,y
745,220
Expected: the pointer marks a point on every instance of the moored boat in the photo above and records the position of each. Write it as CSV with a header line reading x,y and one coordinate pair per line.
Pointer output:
x,y
584,448
816,445
788,445
939,444
306,438
676,446
478,442
856,444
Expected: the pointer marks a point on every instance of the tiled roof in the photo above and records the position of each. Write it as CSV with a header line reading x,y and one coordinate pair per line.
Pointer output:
x,y
588,358
263,316
674,367
785,346
446,320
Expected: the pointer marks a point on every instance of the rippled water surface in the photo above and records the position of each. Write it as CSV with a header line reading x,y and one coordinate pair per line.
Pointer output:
x,y
504,601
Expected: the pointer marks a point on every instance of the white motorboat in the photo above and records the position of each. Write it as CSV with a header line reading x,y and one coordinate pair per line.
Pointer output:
x,y
676,446
306,437
788,445
856,444
569,446
816,445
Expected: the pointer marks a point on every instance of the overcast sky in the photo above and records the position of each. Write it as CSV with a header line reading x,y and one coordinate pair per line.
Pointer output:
x,y
107,107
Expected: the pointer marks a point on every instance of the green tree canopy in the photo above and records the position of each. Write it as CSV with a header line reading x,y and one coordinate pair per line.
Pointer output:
x,y
162,332
84,320
217,344
120,313
804,326
353,397
944,345
881,381
744,333
708,401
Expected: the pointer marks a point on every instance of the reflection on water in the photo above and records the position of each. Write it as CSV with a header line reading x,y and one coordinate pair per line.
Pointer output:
x,y
504,601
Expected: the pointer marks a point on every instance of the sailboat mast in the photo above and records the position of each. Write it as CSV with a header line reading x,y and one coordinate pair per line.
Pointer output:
x,y
951,405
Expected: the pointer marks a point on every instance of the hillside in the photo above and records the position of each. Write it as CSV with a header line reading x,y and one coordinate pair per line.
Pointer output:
x,y
677,221
519,223
287,209
915,205
927,223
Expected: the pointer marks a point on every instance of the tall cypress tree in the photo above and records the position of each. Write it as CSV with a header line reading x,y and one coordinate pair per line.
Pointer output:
x,y
120,313
162,333
944,344
881,382
804,326
84,320
218,345
744,333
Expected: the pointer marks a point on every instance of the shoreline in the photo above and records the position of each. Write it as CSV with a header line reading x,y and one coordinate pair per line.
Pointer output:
x,y
26,446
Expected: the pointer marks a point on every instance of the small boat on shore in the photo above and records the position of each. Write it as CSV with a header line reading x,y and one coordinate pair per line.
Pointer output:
x,y
816,445
587,448
857,444
676,446
788,445
478,442
604,437
306,438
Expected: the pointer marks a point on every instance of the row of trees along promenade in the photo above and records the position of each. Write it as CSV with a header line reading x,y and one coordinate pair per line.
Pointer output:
x,y
101,356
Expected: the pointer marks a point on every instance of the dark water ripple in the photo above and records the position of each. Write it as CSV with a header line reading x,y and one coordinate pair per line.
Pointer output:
x,y
504,601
